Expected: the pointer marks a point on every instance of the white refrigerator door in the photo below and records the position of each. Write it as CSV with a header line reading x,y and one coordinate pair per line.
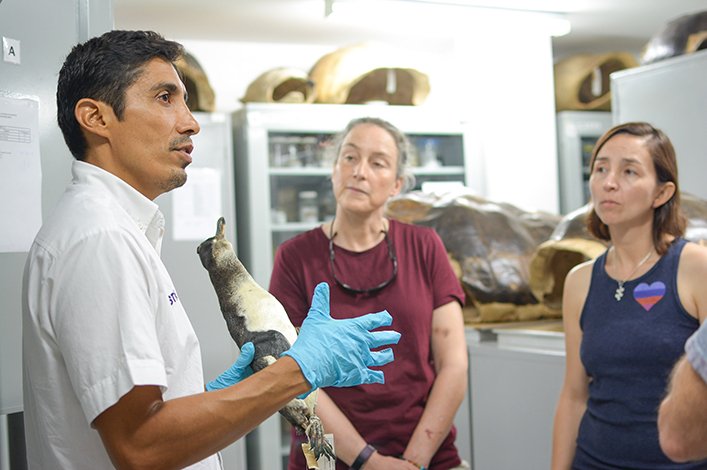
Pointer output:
x,y
672,96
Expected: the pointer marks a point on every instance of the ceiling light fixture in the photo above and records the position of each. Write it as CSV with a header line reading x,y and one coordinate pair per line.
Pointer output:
x,y
445,16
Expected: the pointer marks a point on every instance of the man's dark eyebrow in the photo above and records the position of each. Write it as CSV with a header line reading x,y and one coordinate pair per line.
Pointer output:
x,y
169,86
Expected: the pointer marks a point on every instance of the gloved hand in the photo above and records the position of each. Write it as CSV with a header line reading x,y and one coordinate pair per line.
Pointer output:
x,y
237,372
337,353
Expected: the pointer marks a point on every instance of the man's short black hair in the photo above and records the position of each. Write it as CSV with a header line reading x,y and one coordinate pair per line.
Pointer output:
x,y
102,68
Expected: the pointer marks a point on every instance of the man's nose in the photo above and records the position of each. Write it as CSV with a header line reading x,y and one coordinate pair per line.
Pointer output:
x,y
188,123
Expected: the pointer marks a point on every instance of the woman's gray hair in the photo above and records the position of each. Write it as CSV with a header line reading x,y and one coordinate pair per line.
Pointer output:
x,y
401,142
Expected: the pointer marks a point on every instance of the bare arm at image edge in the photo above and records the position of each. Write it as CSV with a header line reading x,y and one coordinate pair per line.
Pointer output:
x,y
682,419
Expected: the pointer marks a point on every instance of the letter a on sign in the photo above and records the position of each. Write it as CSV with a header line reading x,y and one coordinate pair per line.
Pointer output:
x,y
11,50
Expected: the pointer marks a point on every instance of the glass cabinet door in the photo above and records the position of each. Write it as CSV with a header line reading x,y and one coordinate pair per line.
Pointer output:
x,y
300,166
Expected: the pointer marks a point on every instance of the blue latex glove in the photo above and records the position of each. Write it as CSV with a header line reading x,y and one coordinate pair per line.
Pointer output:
x,y
337,353
237,372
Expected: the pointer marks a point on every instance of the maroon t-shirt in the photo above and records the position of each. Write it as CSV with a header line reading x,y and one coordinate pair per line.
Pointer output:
x,y
384,414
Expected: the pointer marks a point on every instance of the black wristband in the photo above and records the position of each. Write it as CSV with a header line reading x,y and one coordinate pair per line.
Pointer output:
x,y
363,457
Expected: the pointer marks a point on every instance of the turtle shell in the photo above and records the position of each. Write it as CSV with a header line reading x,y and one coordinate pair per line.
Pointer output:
x,y
201,96
682,35
582,81
281,85
368,72
491,242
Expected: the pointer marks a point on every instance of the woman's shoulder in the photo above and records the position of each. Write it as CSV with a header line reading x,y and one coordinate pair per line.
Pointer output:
x,y
694,258
413,230
304,241
691,272
697,247
580,274
576,288
420,238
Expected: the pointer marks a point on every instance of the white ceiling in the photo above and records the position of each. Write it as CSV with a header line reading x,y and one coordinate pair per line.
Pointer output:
x,y
597,25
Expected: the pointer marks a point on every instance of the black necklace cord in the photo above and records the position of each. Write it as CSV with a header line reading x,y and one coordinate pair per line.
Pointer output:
x,y
391,255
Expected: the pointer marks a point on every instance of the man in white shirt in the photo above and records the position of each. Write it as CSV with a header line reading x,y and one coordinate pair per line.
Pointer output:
x,y
682,418
112,366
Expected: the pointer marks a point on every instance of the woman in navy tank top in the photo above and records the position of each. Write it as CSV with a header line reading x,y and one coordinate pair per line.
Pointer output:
x,y
628,313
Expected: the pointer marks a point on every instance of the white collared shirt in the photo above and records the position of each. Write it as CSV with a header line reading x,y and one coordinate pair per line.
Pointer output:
x,y
100,316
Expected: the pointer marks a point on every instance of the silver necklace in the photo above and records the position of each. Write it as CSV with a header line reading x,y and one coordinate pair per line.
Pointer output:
x,y
620,289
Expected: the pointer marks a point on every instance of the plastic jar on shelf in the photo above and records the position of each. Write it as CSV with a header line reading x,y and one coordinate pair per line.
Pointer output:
x,y
308,206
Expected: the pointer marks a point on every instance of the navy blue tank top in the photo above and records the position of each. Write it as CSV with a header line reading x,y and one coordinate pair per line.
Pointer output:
x,y
629,348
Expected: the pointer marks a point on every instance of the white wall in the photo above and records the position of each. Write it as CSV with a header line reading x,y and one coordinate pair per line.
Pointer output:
x,y
232,66
501,83
511,106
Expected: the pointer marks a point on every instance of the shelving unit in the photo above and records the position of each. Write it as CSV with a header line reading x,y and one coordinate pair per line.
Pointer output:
x,y
577,132
280,152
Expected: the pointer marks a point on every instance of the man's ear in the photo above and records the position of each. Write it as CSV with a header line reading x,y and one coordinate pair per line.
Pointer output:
x,y
94,116
665,192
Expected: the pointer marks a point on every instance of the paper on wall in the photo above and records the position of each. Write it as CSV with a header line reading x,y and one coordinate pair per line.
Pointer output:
x,y
197,205
20,173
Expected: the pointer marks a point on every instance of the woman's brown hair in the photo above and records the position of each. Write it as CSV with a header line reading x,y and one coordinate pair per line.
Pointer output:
x,y
668,218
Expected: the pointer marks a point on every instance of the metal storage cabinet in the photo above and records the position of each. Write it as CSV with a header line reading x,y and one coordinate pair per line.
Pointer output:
x,y
277,157
577,132
515,376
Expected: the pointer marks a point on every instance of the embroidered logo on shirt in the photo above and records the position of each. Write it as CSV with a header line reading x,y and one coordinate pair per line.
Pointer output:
x,y
649,294
172,298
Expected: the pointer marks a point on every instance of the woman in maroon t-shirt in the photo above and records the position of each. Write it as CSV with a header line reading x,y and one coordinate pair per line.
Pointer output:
x,y
373,263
